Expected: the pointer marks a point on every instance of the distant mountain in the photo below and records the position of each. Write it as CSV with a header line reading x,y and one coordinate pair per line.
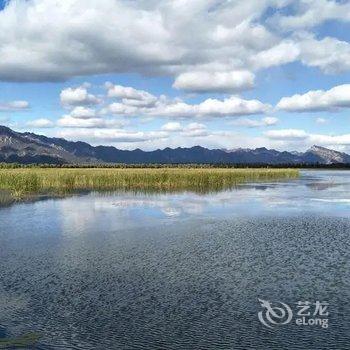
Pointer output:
x,y
29,148
325,156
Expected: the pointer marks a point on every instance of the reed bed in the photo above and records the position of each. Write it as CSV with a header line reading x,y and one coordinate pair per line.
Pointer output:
x,y
26,181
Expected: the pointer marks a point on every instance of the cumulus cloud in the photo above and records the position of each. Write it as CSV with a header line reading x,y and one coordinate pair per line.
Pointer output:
x,y
317,100
191,135
190,130
131,96
95,36
84,37
301,139
229,107
321,120
14,106
80,37
246,32
77,97
232,106
67,121
286,134
195,130
195,126
253,123
332,141
329,54
81,112
177,108
282,53
41,123
85,117
172,126
202,81
118,108
113,135
313,12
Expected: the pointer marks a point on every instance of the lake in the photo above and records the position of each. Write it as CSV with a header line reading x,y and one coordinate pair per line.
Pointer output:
x,y
181,271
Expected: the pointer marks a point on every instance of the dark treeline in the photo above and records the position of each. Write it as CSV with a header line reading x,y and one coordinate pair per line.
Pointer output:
x,y
185,166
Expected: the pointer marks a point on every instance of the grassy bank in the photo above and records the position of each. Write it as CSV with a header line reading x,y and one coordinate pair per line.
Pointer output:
x,y
21,182
24,342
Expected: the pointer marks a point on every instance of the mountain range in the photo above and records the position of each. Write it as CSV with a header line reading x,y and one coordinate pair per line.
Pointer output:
x,y
27,148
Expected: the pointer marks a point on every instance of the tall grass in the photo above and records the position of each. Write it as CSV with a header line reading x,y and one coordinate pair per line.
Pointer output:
x,y
37,180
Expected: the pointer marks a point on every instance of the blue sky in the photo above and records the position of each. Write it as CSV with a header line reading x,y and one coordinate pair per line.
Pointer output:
x,y
152,74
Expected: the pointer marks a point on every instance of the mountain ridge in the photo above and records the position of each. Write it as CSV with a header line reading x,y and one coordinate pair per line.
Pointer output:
x,y
29,148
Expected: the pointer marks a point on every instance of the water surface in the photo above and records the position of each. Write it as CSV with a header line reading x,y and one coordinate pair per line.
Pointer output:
x,y
178,271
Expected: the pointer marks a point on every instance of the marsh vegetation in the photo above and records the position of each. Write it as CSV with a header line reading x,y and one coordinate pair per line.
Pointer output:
x,y
20,182
24,342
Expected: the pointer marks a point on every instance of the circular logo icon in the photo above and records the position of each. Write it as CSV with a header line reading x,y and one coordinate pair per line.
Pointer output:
x,y
274,314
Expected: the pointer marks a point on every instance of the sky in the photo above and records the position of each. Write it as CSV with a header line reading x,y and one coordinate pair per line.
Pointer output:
x,y
174,73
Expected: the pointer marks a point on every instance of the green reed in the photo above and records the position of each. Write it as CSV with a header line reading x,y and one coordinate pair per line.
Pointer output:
x,y
38,180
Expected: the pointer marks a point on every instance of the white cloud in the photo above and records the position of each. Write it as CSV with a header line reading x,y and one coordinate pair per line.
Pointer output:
x,y
195,126
303,139
253,123
192,135
85,37
195,130
317,100
322,121
113,135
81,37
77,97
246,33
176,108
284,52
41,123
173,134
130,101
329,54
14,106
190,130
314,12
81,112
229,107
67,121
331,141
131,96
172,126
202,81
232,106
118,108
85,117
286,134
